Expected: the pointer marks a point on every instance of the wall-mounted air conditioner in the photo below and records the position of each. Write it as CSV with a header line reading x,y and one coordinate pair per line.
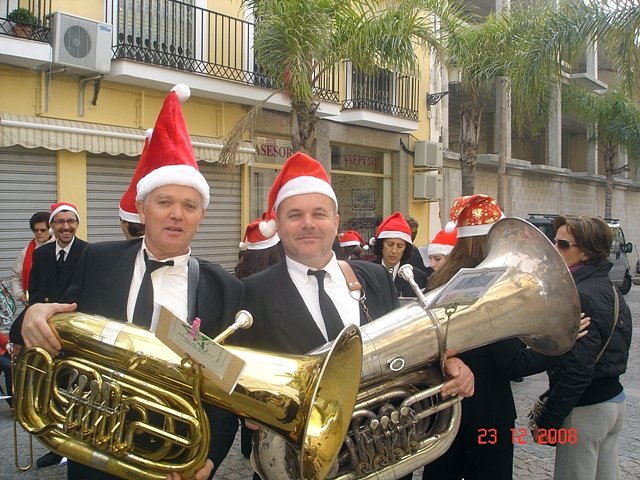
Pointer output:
x,y
427,186
427,154
81,43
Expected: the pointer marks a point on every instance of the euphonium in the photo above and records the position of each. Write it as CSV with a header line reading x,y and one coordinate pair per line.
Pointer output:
x,y
118,399
401,421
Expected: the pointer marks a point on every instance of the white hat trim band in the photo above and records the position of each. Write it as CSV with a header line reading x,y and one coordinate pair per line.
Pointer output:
x,y
129,217
395,234
349,243
302,185
439,249
474,230
174,175
264,244
63,208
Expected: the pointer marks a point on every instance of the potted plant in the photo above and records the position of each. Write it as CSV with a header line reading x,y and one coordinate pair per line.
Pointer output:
x,y
23,20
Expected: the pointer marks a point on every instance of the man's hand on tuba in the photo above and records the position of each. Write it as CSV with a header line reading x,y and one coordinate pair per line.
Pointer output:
x,y
462,381
36,331
201,474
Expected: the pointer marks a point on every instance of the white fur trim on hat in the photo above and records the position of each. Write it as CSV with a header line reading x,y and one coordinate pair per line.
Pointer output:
x,y
129,217
302,185
350,243
262,245
63,208
439,249
476,230
174,175
395,234
267,228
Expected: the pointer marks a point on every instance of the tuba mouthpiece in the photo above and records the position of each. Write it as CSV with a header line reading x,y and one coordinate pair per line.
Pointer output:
x,y
244,319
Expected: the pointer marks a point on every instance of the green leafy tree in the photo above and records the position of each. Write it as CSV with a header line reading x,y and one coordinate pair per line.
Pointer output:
x,y
297,41
615,122
523,46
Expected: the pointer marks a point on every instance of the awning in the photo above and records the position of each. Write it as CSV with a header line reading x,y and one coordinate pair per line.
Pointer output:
x,y
56,134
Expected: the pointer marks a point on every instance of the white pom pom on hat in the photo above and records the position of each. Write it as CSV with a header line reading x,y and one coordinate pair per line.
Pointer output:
x,y
255,239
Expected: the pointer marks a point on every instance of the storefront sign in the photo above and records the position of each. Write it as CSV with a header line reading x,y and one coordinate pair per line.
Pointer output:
x,y
271,150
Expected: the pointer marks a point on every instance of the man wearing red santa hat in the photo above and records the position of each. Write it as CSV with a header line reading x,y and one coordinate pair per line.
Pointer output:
x,y
295,317
130,280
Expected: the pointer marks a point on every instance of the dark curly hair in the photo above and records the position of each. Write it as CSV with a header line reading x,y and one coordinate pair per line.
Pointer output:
x,y
406,255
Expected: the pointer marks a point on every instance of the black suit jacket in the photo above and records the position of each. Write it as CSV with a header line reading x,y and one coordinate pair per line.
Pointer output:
x,y
281,320
101,286
44,284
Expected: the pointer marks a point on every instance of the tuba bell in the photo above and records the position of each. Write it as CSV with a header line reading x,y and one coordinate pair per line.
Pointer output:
x,y
120,400
401,421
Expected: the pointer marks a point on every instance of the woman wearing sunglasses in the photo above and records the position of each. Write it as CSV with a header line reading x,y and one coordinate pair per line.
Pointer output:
x,y
585,394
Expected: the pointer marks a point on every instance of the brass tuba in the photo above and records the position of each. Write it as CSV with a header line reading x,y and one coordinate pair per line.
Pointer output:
x,y
401,421
118,399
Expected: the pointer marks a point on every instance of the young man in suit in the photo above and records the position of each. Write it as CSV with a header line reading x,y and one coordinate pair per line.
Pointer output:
x,y
54,263
291,317
172,197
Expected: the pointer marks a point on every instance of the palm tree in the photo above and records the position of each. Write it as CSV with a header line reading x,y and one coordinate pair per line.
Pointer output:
x,y
296,42
523,45
615,123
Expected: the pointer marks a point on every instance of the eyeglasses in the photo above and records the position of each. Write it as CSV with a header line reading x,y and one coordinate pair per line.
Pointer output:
x,y
563,244
40,230
62,221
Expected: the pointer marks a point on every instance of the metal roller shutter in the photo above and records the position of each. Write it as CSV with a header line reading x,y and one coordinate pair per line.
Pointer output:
x,y
27,185
219,233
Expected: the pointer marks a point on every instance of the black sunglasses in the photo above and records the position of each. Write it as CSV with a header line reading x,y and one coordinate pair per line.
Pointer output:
x,y
563,244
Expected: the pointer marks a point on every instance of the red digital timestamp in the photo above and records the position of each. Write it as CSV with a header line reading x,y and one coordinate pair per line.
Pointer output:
x,y
521,436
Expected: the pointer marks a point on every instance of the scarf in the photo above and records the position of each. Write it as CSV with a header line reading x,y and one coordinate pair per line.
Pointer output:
x,y
26,265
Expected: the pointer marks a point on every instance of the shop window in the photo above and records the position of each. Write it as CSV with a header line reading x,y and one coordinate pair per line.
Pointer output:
x,y
362,181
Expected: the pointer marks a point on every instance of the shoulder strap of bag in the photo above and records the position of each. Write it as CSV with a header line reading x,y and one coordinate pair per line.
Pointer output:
x,y
616,307
354,284
350,276
193,278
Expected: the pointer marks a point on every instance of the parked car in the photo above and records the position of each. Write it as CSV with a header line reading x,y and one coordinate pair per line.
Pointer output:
x,y
620,273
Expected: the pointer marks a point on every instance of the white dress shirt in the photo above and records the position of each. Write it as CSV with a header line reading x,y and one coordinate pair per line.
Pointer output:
x,y
335,285
169,286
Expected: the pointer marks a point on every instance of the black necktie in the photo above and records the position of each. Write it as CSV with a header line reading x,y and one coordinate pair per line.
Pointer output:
x,y
144,303
330,315
59,263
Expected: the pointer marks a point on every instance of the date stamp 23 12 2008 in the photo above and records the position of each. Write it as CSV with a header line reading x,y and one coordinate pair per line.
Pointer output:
x,y
522,436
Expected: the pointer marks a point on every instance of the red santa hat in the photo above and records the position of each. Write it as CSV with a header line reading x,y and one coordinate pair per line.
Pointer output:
x,y
170,159
63,207
443,242
351,238
254,239
128,210
394,226
474,215
300,174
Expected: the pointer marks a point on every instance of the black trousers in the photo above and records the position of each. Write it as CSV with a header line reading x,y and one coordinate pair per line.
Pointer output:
x,y
475,456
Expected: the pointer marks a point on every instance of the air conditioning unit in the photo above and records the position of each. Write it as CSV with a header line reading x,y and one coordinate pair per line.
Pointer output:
x,y
427,154
427,186
81,43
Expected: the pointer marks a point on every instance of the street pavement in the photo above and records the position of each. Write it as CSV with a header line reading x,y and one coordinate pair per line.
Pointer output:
x,y
532,462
